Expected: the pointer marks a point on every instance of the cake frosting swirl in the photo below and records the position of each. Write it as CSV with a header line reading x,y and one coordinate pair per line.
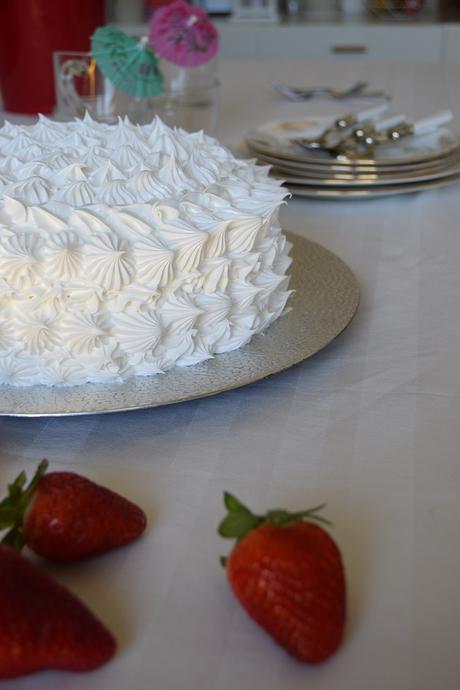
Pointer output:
x,y
126,250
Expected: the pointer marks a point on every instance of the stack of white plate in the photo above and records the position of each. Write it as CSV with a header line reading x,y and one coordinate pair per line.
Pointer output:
x,y
412,164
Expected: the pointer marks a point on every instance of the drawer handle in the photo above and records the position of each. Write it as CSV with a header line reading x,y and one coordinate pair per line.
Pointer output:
x,y
349,49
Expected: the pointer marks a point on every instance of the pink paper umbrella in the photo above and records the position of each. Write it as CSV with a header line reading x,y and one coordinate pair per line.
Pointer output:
x,y
183,34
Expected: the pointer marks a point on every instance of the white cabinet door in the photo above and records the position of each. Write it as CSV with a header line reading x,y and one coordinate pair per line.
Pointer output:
x,y
452,44
240,40
332,42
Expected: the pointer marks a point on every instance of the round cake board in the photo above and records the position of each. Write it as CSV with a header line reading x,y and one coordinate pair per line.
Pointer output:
x,y
324,302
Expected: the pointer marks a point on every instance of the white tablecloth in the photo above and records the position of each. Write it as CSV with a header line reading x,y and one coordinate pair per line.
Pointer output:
x,y
370,426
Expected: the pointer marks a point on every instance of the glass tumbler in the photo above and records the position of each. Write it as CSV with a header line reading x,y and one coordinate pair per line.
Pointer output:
x,y
189,100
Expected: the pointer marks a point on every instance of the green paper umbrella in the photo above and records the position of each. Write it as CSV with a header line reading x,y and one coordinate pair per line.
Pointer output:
x,y
130,65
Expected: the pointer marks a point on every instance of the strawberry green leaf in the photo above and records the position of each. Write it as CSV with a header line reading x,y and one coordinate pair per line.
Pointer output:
x,y
239,520
278,517
233,505
311,514
6,503
15,489
13,507
14,539
7,516
237,525
29,491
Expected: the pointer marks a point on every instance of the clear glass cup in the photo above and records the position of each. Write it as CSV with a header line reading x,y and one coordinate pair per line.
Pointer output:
x,y
190,96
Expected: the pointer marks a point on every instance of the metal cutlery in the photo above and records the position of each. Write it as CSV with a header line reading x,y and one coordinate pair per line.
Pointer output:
x,y
331,136
357,134
299,94
366,132
365,139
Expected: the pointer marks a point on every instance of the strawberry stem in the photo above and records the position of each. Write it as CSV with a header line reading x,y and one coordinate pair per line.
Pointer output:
x,y
240,520
14,506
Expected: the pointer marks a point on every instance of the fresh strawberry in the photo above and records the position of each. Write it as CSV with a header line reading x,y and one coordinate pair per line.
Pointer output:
x,y
287,573
43,625
66,517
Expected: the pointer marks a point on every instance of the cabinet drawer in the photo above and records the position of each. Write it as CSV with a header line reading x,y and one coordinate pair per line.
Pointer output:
x,y
333,42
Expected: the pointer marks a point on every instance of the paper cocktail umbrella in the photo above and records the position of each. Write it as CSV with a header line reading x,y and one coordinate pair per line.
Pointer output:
x,y
183,34
130,65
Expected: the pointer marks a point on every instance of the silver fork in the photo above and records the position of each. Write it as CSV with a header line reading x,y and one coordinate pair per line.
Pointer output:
x,y
357,90
296,94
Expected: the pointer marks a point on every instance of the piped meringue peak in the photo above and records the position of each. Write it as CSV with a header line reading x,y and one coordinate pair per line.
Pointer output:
x,y
126,250
85,162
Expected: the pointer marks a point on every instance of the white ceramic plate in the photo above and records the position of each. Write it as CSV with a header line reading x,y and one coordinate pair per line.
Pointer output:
x,y
370,180
360,193
298,168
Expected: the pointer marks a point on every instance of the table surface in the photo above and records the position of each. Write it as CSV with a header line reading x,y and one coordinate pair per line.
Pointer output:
x,y
369,426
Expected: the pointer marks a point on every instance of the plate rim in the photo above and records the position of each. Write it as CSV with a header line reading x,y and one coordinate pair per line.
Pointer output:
x,y
358,184
361,194
440,164
300,244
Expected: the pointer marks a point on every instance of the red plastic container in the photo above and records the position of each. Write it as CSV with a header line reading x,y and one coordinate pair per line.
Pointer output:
x,y
30,30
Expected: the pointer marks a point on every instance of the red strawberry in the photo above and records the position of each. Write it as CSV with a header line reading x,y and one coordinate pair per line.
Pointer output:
x,y
43,625
66,517
288,575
